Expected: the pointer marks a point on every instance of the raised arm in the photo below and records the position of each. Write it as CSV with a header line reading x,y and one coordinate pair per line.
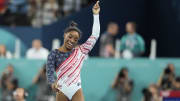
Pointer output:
x,y
88,45
96,23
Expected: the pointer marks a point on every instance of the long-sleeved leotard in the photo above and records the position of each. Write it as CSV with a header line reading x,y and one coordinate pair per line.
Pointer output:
x,y
69,64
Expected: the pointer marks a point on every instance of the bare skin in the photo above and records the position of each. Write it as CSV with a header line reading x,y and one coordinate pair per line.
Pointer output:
x,y
70,41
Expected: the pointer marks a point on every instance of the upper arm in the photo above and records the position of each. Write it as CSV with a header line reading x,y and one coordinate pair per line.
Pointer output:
x,y
50,67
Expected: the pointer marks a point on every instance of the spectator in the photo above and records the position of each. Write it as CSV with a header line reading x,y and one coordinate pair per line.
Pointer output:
x,y
8,74
35,12
151,93
7,95
44,90
8,83
107,44
124,85
132,42
4,53
20,94
167,78
176,85
70,6
50,12
37,51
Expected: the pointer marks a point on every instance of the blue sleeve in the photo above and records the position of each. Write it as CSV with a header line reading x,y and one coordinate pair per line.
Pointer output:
x,y
50,68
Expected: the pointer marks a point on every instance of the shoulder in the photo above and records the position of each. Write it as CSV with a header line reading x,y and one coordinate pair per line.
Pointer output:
x,y
44,49
53,53
30,50
139,36
124,36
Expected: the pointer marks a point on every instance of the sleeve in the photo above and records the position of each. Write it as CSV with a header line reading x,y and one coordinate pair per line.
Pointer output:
x,y
141,44
50,68
89,44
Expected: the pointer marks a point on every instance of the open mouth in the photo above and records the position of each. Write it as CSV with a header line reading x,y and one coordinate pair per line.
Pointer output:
x,y
69,44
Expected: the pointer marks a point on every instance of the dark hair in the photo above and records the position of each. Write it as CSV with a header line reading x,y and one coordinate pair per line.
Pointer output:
x,y
121,72
147,94
112,23
73,27
15,82
167,71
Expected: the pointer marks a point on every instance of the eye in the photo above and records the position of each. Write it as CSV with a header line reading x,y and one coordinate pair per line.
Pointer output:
x,y
70,36
76,39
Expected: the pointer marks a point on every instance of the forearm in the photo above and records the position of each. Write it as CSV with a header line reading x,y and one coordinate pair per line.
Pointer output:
x,y
96,26
50,79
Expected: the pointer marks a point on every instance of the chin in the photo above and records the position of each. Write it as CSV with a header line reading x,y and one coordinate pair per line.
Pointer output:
x,y
69,48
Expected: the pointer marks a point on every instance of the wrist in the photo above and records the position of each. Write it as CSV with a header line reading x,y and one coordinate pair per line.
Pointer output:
x,y
96,14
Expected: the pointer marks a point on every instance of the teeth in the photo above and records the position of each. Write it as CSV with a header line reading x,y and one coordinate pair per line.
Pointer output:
x,y
70,43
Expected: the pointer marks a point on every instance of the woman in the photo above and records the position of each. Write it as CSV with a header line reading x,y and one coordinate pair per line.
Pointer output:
x,y
123,85
4,53
68,59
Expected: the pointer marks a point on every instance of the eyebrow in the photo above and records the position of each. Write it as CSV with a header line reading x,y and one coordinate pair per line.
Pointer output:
x,y
73,36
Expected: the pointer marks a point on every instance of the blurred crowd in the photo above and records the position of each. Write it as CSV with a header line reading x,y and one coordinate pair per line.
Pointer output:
x,y
168,83
37,13
123,86
11,91
37,51
130,45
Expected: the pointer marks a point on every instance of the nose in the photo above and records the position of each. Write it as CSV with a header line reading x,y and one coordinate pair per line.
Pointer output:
x,y
72,40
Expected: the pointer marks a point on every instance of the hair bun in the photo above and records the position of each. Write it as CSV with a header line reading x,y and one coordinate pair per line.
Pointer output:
x,y
73,24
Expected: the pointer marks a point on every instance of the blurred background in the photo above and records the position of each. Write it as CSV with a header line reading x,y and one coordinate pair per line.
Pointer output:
x,y
137,57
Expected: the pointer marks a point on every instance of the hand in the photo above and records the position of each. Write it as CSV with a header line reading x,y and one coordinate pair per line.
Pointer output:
x,y
54,87
96,8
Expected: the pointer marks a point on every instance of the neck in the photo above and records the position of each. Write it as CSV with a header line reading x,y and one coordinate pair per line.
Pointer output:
x,y
131,33
21,100
64,49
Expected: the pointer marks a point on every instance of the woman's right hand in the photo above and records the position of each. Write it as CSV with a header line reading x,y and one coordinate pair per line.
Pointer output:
x,y
54,87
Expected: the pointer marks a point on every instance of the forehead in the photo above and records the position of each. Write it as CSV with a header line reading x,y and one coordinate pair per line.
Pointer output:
x,y
36,41
20,90
74,34
130,24
113,26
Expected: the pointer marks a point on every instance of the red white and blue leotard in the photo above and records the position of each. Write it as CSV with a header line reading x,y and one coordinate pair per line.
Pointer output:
x,y
68,65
